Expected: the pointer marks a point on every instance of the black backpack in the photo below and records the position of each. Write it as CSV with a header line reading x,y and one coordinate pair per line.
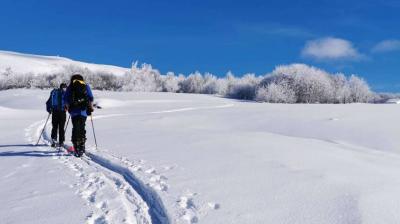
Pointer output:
x,y
79,96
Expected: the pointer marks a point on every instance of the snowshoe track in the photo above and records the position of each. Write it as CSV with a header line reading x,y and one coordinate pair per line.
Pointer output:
x,y
110,189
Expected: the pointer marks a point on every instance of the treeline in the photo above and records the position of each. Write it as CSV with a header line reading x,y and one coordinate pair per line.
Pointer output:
x,y
295,83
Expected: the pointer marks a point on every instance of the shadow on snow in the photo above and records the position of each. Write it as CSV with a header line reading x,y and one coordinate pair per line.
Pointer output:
x,y
22,145
31,153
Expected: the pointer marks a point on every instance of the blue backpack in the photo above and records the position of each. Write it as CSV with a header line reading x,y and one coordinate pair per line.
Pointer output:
x,y
55,101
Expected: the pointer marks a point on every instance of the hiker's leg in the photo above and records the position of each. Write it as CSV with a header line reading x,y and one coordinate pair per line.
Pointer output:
x,y
54,122
61,124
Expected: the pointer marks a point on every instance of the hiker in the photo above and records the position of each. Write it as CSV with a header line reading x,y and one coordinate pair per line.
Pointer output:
x,y
55,106
78,102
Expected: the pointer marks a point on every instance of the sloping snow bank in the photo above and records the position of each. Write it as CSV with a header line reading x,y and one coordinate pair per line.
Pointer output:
x,y
28,63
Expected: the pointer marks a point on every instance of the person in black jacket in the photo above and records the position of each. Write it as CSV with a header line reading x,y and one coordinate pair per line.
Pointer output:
x,y
55,105
78,100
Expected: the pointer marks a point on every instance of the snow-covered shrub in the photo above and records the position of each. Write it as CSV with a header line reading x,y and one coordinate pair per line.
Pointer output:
x,y
295,83
193,83
4,78
244,88
170,83
222,86
18,81
311,85
207,84
143,79
276,93
210,84
384,97
227,84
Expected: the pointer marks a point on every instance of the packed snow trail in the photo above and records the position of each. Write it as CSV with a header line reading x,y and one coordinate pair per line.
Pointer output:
x,y
140,203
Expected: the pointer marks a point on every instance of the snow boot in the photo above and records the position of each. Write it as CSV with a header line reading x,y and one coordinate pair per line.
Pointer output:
x,y
53,143
79,148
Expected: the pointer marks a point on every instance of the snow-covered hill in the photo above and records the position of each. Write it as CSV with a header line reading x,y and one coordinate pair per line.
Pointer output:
x,y
27,63
199,158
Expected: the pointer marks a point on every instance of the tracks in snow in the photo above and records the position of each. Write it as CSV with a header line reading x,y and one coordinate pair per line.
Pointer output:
x,y
111,189
156,209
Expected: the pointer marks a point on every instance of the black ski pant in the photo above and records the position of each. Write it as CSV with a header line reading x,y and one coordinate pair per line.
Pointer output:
x,y
58,121
78,130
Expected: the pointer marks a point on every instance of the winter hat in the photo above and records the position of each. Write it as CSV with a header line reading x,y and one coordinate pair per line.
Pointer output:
x,y
76,77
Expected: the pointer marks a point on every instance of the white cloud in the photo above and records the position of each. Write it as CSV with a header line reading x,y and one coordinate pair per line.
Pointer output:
x,y
330,48
275,29
387,45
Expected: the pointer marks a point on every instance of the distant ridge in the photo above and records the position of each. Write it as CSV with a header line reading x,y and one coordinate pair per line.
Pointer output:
x,y
21,63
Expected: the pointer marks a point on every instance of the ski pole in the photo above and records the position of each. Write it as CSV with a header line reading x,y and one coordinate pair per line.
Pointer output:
x,y
65,129
94,133
43,129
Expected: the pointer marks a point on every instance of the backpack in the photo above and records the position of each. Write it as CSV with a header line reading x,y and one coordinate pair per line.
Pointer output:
x,y
56,99
79,96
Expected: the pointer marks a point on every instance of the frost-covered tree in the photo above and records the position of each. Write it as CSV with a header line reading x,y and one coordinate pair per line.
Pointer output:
x,y
244,88
312,85
341,89
228,83
170,83
276,93
210,84
359,90
193,83
222,86
143,79
4,78
295,83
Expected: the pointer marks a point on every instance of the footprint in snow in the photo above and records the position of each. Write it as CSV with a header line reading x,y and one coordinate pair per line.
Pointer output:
x,y
166,168
186,202
151,171
136,168
213,205
159,186
190,217
102,205
157,178
97,219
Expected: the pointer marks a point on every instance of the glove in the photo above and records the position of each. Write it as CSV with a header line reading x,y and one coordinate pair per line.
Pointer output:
x,y
89,109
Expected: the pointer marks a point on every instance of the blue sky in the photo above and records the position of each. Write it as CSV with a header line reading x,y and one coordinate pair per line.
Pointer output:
x,y
349,36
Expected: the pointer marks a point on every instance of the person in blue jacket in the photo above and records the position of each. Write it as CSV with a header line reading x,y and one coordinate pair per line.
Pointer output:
x,y
55,106
79,103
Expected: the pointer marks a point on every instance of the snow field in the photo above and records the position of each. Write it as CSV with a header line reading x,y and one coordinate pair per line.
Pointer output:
x,y
203,159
